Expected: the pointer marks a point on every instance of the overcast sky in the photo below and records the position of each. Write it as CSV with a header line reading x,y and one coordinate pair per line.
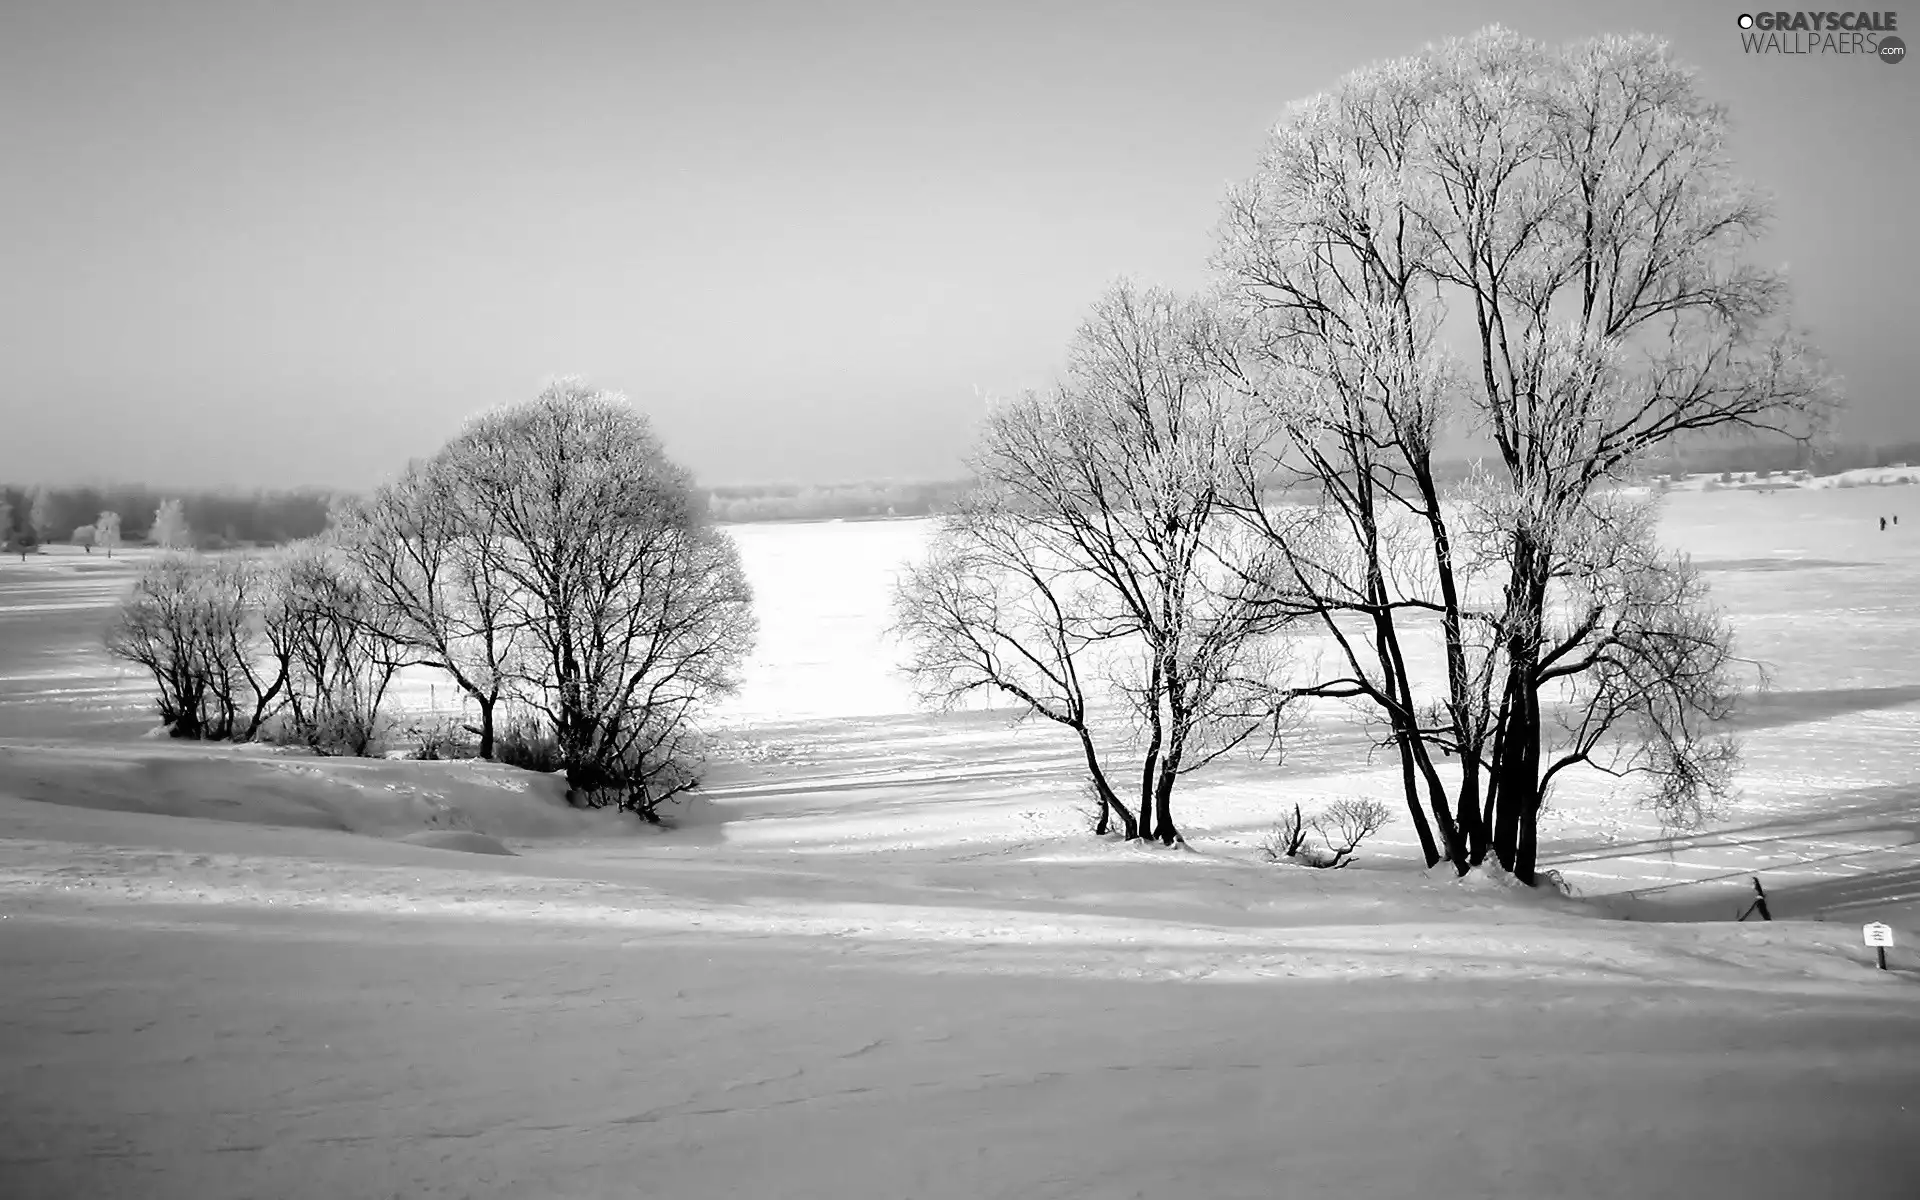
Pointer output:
x,y
298,243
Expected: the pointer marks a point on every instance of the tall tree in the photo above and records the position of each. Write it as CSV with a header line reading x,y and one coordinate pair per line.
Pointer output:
x,y
433,559
1096,548
106,531
169,531
1574,209
634,609
330,636
195,625
43,516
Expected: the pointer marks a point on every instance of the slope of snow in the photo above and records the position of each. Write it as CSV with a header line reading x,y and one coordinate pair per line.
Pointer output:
x,y
878,956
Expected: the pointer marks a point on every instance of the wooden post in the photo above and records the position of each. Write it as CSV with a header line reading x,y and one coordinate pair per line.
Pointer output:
x,y
1882,952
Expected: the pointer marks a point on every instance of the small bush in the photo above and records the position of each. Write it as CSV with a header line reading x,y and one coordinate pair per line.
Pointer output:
x,y
1341,829
1346,824
439,740
332,732
1285,840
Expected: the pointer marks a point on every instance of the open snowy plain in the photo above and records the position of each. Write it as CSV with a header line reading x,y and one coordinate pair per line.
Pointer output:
x,y
879,956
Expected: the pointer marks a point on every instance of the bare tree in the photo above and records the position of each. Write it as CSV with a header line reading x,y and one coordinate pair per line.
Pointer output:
x,y
1287,838
338,657
634,611
195,625
994,607
7,541
431,554
1096,549
1344,825
1577,205
170,530
107,531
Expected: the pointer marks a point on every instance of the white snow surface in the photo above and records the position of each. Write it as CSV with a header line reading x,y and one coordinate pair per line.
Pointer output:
x,y
879,956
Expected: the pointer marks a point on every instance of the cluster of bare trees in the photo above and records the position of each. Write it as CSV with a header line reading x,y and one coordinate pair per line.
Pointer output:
x,y
233,642
550,560
1542,251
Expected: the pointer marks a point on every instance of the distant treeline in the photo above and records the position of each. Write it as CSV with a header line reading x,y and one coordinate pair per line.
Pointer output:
x,y
1777,456
218,519
825,502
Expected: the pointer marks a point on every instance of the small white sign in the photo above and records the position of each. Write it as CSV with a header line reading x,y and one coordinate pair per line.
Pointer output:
x,y
1877,934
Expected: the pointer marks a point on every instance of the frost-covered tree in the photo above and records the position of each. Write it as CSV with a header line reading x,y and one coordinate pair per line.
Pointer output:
x,y
83,536
337,654
1548,246
169,531
106,531
431,553
43,516
632,609
1093,563
200,629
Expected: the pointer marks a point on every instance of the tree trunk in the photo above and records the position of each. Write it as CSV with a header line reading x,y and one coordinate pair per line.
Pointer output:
x,y
1417,765
1415,810
1149,769
1163,807
1110,804
1510,789
486,704
1471,839
1517,765
1526,850
1467,815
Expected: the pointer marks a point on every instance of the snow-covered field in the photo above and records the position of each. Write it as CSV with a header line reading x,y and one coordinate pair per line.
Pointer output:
x,y
878,958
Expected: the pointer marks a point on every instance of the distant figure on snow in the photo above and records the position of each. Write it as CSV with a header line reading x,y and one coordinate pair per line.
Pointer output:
x,y
1883,524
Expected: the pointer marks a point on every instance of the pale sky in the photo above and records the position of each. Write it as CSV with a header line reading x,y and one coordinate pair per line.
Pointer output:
x,y
298,243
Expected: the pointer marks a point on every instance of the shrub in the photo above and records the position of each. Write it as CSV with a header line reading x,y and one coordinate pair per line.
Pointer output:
x,y
1285,840
1341,828
435,740
1346,824
528,744
335,731
639,771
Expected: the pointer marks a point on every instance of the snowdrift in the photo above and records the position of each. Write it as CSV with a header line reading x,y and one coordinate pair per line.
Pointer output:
x,y
470,806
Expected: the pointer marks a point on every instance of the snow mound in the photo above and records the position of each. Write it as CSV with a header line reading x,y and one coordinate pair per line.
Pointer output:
x,y
388,798
464,840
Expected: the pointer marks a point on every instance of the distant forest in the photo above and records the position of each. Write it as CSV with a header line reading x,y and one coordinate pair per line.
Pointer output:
x,y
221,519
217,519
